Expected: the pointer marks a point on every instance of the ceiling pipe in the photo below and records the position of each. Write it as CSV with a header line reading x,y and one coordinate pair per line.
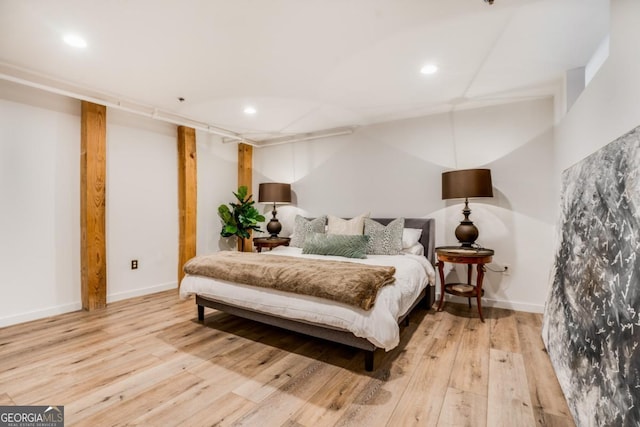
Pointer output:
x,y
302,136
154,113
168,117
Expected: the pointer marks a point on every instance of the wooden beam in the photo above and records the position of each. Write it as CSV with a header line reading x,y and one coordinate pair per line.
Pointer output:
x,y
93,252
187,196
245,177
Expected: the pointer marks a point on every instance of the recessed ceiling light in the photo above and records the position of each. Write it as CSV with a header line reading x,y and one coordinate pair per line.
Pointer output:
x,y
74,40
250,111
429,69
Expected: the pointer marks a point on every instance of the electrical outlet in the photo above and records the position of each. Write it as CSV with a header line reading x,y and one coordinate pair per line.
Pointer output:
x,y
507,270
134,264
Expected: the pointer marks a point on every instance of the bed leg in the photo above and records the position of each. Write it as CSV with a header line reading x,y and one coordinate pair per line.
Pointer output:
x,y
368,360
201,313
429,297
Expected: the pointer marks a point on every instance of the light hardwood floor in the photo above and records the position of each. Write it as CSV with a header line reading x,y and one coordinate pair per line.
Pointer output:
x,y
147,361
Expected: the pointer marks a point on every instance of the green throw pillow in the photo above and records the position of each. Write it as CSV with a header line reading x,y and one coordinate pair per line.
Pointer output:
x,y
384,240
349,246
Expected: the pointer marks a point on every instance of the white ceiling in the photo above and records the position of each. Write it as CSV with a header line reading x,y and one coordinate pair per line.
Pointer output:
x,y
305,65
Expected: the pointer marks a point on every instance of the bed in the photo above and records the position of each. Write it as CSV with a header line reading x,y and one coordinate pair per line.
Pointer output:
x,y
367,330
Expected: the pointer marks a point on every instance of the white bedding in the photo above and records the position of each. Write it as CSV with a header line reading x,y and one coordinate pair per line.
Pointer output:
x,y
379,325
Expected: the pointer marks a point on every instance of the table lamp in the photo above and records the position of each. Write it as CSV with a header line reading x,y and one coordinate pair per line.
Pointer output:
x,y
276,193
463,184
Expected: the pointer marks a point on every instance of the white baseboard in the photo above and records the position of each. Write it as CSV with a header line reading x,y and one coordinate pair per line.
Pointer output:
x,y
142,291
487,302
39,314
77,306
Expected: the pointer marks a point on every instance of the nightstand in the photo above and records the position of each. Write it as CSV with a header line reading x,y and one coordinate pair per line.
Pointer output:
x,y
270,242
469,256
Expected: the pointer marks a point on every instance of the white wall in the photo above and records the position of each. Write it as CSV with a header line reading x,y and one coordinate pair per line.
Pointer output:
x,y
394,169
141,205
40,204
217,180
40,200
609,106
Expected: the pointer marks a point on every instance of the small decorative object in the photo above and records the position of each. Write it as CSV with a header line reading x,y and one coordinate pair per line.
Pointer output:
x,y
462,184
241,218
276,193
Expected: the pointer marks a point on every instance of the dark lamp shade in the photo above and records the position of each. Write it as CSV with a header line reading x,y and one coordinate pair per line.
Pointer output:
x,y
274,192
462,184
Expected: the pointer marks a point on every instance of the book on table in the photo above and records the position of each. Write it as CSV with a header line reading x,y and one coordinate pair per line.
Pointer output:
x,y
462,287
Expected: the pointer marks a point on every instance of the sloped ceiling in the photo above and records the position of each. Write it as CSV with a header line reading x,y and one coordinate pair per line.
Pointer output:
x,y
304,65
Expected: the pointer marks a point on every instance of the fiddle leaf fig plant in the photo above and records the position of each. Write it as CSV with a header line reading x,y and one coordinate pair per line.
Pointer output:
x,y
238,219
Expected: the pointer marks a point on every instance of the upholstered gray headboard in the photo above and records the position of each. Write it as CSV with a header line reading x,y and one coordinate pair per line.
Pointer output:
x,y
428,237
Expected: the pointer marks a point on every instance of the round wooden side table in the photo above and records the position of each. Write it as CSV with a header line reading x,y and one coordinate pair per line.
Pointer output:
x,y
270,242
469,256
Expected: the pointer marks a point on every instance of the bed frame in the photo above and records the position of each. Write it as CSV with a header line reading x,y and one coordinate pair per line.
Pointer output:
x,y
427,296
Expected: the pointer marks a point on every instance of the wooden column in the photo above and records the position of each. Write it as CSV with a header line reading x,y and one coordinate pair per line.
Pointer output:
x,y
93,251
245,177
187,196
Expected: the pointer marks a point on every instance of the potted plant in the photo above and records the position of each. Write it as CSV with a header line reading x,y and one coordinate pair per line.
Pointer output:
x,y
241,218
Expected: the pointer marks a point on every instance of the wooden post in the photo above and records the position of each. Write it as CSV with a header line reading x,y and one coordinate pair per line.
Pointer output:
x,y
245,177
187,196
93,252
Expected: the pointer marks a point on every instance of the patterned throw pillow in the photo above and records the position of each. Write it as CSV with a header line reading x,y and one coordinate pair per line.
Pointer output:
x,y
384,240
346,245
303,227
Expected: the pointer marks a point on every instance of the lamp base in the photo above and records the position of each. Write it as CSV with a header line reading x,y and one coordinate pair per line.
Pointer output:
x,y
466,232
274,227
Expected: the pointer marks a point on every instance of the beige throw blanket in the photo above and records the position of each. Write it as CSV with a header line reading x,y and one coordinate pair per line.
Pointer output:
x,y
346,282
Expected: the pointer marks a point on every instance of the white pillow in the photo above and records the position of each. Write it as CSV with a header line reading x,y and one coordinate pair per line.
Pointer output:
x,y
351,226
410,236
416,249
